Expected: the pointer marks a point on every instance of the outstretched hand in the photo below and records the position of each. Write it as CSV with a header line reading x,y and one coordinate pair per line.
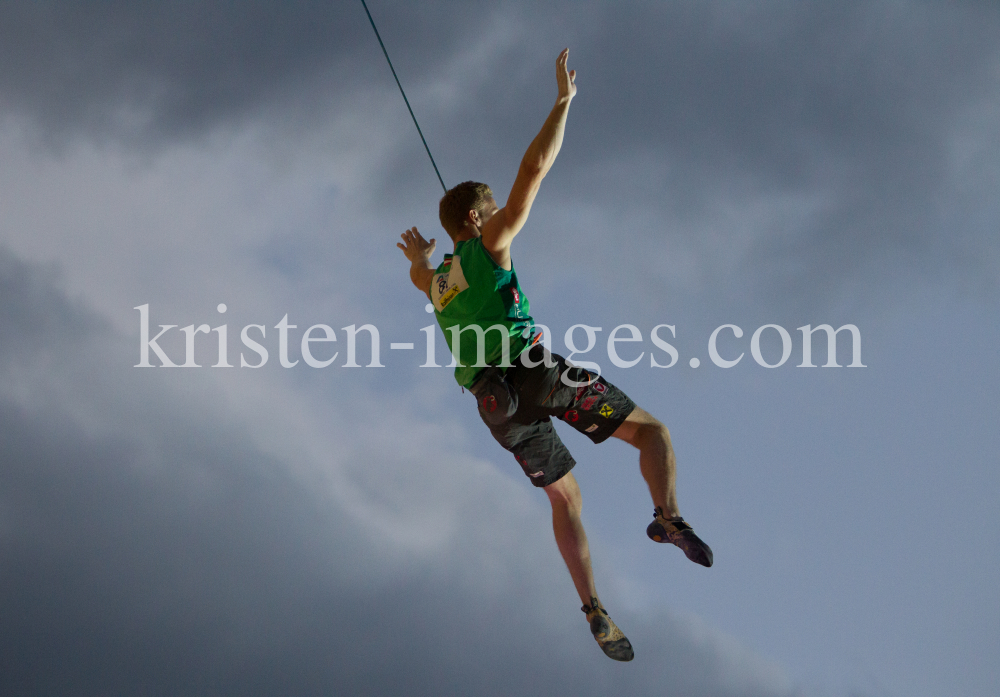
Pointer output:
x,y
565,78
415,247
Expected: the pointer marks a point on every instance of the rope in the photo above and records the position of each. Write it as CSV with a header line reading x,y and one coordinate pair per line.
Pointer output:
x,y
404,96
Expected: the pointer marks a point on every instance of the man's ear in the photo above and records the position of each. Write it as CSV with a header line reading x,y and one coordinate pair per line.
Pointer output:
x,y
472,218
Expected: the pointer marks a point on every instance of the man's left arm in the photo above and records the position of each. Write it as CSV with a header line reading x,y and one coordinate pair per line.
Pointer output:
x,y
499,231
418,251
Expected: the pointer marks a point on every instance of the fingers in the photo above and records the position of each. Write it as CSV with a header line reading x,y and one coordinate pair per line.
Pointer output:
x,y
566,78
414,244
411,235
407,244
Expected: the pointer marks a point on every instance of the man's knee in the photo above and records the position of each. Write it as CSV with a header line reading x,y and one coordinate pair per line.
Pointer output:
x,y
653,432
642,429
565,493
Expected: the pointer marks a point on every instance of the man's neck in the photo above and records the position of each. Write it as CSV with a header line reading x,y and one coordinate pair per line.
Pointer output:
x,y
467,233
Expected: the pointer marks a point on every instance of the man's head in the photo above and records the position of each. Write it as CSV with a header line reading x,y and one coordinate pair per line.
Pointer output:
x,y
466,207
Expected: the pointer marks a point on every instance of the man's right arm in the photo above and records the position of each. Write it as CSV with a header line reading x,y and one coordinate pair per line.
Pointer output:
x,y
418,252
500,230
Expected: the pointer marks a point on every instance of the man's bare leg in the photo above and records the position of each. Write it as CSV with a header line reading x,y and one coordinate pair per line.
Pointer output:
x,y
656,457
564,495
656,461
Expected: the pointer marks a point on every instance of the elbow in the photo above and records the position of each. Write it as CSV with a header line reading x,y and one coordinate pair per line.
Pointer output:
x,y
533,167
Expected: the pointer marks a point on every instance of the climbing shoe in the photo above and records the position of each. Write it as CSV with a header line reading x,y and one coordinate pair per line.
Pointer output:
x,y
677,532
609,637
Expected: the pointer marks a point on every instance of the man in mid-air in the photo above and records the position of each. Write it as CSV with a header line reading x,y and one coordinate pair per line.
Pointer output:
x,y
519,385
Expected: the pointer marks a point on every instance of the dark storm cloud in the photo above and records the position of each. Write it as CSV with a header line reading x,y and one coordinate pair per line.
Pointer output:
x,y
144,550
146,70
852,109
785,92
761,88
854,105
872,123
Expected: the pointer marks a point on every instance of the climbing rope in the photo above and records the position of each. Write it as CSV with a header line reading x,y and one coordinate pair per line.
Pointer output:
x,y
404,96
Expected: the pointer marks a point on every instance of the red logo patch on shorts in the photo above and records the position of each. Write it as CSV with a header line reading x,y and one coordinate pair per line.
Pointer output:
x,y
571,416
600,387
588,402
489,404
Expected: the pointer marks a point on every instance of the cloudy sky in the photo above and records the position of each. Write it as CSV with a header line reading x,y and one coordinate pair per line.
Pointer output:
x,y
357,530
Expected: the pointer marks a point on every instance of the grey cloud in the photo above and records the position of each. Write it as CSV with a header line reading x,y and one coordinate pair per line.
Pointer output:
x,y
853,104
783,92
147,550
858,110
161,552
144,71
865,132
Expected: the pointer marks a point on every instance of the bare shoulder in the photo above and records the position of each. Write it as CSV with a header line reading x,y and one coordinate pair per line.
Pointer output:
x,y
496,244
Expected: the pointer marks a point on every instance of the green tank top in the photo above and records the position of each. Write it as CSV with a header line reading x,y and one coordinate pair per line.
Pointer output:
x,y
472,293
